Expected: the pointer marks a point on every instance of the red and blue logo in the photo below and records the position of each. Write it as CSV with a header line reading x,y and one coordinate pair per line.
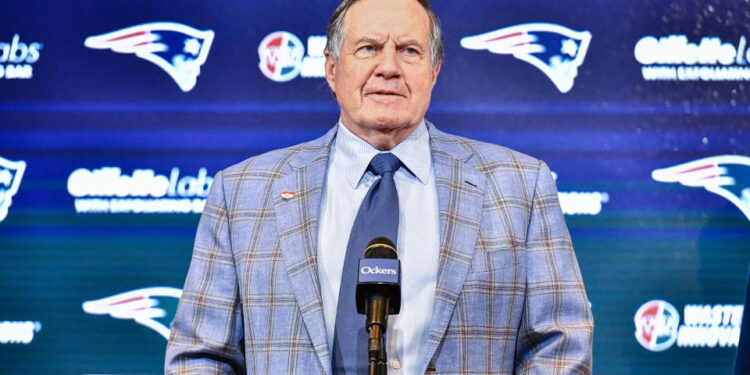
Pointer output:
x,y
656,324
153,307
178,49
281,55
555,50
11,173
724,175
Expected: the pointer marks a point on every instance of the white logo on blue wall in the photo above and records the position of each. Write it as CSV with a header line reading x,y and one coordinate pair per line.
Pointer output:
x,y
676,58
725,175
108,190
18,332
581,202
151,307
178,49
11,173
17,58
555,50
282,56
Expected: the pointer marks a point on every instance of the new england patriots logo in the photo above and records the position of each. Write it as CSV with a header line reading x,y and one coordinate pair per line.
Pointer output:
x,y
555,50
178,49
725,175
152,307
11,173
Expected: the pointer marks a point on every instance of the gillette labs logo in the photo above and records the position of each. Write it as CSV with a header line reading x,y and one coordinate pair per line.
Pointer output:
x,y
108,190
676,58
16,58
282,56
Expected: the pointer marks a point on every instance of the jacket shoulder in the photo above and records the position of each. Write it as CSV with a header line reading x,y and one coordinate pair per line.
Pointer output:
x,y
275,160
489,157
275,163
495,153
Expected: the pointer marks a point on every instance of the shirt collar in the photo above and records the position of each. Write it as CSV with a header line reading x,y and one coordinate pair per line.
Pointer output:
x,y
355,153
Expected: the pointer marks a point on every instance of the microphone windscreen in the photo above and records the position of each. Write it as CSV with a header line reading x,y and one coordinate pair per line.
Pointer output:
x,y
381,247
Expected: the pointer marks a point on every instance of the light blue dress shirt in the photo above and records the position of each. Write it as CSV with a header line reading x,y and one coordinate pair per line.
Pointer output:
x,y
347,182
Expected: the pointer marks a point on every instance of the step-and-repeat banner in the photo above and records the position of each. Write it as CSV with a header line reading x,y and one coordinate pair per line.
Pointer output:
x,y
115,116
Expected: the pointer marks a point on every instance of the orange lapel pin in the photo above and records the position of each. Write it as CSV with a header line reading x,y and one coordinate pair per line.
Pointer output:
x,y
287,195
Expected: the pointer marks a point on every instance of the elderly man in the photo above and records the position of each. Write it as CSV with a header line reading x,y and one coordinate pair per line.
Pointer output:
x,y
490,283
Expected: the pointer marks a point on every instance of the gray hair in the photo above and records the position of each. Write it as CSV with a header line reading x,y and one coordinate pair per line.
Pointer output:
x,y
336,31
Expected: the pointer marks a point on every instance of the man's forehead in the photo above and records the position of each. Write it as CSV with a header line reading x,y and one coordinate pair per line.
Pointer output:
x,y
384,37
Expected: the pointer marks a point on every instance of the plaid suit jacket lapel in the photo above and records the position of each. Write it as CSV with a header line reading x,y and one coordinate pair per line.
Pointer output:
x,y
460,190
297,219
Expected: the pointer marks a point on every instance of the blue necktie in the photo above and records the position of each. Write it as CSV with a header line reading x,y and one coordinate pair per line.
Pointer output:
x,y
377,217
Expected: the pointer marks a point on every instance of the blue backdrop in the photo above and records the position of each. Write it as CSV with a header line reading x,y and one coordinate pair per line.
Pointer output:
x,y
114,116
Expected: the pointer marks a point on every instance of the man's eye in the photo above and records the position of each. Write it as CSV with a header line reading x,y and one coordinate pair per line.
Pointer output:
x,y
368,48
411,51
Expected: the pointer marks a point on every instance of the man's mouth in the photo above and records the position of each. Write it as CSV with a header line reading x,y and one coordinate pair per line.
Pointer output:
x,y
384,93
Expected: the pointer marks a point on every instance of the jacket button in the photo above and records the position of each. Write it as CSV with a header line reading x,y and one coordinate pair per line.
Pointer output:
x,y
396,364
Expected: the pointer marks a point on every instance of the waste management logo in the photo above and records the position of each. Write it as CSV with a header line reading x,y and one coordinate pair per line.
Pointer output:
x,y
17,58
657,325
153,307
178,49
282,56
108,190
676,58
725,175
11,173
555,50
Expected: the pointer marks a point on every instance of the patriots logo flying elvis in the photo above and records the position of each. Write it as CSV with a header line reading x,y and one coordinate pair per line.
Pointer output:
x,y
178,49
152,307
725,175
11,173
555,50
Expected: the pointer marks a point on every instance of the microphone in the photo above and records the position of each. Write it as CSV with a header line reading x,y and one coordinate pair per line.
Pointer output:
x,y
378,293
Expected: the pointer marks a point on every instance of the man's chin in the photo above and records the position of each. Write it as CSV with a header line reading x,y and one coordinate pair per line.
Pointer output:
x,y
390,118
390,123
382,124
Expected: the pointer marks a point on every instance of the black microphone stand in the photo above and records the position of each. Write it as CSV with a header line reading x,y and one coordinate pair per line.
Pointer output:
x,y
377,326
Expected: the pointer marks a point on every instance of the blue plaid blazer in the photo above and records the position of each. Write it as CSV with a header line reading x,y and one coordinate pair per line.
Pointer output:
x,y
509,296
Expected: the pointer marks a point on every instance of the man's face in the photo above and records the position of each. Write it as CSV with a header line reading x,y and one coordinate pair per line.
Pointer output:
x,y
384,75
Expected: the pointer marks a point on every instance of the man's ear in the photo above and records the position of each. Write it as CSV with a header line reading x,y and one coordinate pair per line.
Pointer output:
x,y
330,71
435,72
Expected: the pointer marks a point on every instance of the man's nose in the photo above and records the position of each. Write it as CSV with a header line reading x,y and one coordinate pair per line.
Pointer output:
x,y
389,65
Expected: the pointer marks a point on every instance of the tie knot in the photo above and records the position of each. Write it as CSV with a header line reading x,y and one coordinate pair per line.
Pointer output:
x,y
385,162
